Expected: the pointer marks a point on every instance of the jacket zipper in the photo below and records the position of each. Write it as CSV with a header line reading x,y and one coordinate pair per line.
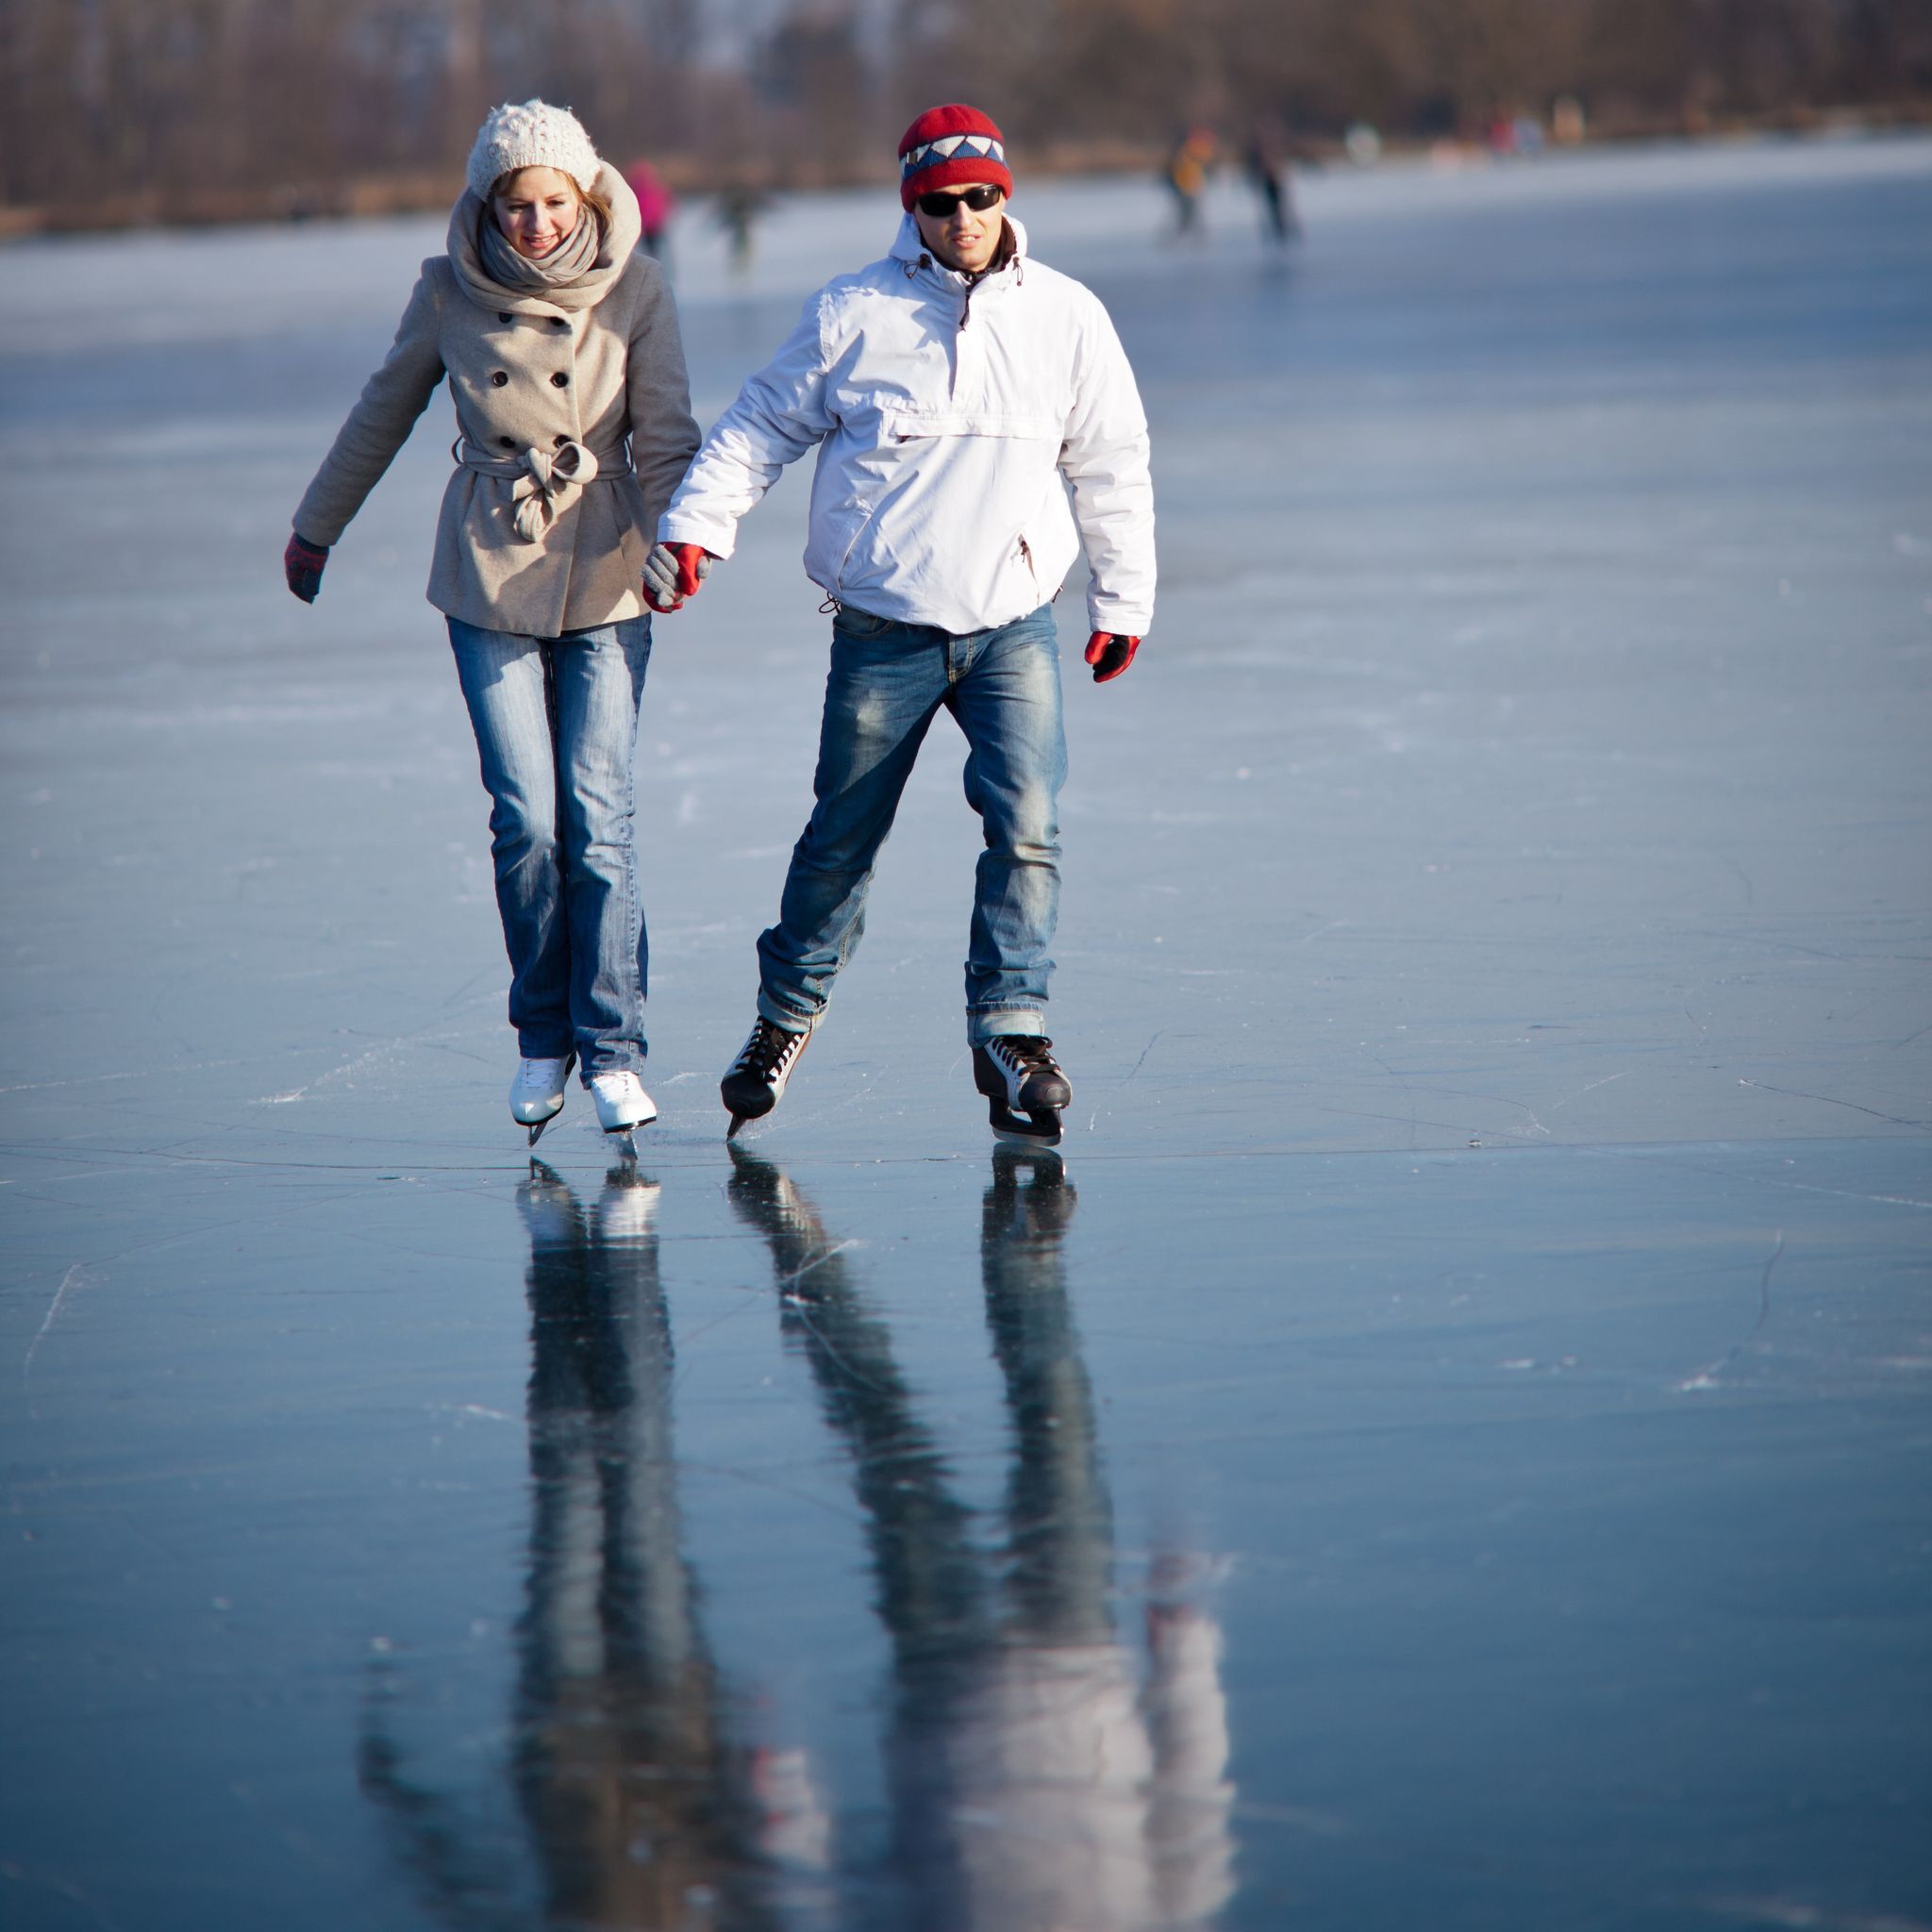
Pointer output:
x,y
966,303
966,307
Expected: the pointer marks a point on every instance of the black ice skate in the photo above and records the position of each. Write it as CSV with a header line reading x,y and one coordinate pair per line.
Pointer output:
x,y
1025,1091
756,1078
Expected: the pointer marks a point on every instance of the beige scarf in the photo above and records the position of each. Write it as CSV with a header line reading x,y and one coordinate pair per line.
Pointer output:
x,y
566,263
468,222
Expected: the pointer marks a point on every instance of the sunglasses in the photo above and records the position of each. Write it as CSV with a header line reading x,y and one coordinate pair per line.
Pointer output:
x,y
978,199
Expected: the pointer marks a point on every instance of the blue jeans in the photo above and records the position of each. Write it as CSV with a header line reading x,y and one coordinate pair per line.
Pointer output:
x,y
887,683
556,724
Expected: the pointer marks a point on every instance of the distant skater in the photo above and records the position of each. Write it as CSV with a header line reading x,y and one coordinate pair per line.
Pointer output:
x,y
655,205
561,347
1190,162
740,205
1273,183
978,426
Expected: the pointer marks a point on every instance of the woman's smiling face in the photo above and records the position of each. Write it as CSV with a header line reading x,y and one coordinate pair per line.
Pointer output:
x,y
535,209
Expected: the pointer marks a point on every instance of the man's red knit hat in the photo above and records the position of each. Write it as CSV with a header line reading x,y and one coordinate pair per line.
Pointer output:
x,y
947,146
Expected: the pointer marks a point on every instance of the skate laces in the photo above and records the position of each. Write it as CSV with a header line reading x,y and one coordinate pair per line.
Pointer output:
x,y
768,1049
1032,1052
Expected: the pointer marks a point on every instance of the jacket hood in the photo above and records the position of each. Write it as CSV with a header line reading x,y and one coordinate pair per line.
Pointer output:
x,y
627,229
908,246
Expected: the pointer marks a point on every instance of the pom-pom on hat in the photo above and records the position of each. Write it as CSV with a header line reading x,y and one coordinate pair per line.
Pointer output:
x,y
950,146
532,134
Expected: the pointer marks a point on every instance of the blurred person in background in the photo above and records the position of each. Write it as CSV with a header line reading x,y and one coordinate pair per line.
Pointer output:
x,y
1268,169
561,347
655,205
1190,163
740,202
956,391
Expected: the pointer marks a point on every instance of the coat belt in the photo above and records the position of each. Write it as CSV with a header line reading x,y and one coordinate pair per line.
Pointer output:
x,y
544,482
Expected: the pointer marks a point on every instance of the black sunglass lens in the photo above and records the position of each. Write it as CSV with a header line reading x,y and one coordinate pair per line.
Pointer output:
x,y
940,206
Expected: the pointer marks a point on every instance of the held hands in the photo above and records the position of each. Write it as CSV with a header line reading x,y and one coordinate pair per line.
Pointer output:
x,y
1111,652
302,564
673,572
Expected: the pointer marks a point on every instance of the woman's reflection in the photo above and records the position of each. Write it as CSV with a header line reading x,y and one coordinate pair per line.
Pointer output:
x,y
636,1796
1042,1782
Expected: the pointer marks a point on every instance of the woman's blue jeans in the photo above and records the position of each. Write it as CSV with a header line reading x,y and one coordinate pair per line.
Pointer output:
x,y
556,724
888,682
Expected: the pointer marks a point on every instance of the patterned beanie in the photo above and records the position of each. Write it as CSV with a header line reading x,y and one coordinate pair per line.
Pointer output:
x,y
949,146
534,135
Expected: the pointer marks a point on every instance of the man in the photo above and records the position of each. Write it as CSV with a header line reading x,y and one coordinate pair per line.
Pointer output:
x,y
958,391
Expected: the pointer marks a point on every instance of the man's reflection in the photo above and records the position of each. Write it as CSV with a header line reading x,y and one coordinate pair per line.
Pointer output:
x,y
634,1793
1039,1780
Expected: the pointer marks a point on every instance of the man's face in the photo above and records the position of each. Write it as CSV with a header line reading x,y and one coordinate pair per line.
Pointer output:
x,y
962,237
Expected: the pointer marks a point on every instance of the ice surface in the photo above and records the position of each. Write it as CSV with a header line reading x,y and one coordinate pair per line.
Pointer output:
x,y
1448,1448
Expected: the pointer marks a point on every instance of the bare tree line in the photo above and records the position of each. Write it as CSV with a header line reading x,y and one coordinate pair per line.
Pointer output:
x,y
1417,67
219,105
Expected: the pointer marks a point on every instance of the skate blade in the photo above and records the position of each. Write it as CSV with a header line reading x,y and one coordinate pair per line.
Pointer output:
x,y
537,1131
1041,1129
1011,1156
741,1119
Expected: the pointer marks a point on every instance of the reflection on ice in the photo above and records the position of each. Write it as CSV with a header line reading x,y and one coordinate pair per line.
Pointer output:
x,y
1040,1775
635,1795
1037,1780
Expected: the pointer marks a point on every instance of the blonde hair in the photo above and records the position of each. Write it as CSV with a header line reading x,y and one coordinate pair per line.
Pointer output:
x,y
592,199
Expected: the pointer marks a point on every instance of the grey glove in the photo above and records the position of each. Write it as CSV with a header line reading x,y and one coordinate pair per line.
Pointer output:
x,y
673,572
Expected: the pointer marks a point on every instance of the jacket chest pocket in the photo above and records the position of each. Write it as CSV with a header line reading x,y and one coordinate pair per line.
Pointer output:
x,y
911,426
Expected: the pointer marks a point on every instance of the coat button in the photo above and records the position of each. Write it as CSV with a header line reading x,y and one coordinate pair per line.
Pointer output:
x,y
499,377
560,442
503,315
560,380
505,442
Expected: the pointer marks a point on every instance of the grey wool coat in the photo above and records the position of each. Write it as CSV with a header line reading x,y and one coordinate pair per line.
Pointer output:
x,y
576,418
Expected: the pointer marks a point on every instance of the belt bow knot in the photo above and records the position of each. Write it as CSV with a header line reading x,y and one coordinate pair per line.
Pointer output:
x,y
544,482
548,486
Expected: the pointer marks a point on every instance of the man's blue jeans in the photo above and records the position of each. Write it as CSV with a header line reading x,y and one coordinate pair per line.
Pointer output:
x,y
888,681
556,724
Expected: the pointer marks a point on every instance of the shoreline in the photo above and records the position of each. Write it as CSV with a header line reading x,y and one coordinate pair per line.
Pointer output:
x,y
387,197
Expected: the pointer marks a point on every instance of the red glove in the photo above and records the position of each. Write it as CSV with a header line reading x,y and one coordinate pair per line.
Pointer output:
x,y
302,564
673,572
1111,652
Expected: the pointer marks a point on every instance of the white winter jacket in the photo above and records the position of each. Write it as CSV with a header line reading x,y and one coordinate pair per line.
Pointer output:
x,y
946,414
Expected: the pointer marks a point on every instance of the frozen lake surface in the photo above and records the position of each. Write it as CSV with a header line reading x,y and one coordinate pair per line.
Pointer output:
x,y
1448,1446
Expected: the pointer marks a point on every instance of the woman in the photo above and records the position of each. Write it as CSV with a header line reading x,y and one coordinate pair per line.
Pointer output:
x,y
559,341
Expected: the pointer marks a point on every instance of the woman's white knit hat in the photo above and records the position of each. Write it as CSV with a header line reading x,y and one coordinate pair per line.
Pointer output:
x,y
534,135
